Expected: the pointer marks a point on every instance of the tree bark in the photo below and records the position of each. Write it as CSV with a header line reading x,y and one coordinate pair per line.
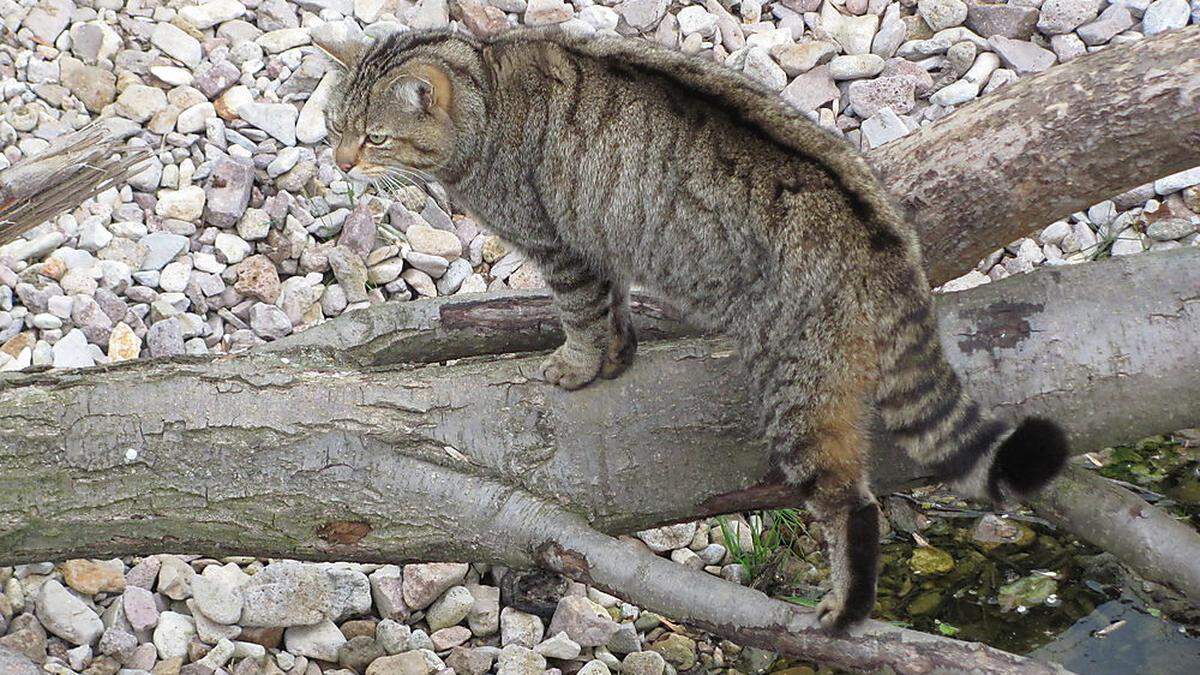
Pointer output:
x,y
1048,146
76,166
331,450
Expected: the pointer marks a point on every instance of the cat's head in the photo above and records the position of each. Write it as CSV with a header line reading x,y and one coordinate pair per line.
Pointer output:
x,y
396,106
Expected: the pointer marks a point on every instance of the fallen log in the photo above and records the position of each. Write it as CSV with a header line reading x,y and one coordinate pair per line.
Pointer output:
x,y
341,444
365,451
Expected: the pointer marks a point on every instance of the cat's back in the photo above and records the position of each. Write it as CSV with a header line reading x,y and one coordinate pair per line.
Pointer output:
x,y
748,105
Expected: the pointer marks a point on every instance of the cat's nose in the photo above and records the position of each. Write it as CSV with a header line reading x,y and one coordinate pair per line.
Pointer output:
x,y
345,166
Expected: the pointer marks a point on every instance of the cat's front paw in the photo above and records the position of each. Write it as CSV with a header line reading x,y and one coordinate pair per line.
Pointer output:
x,y
572,367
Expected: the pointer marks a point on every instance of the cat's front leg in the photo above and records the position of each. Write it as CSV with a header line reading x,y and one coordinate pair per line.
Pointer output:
x,y
600,340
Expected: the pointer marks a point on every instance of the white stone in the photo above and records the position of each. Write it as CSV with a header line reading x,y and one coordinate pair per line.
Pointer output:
x,y
882,127
172,635
1177,181
855,66
186,204
319,641
233,247
955,93
965,282
212,13
277,119
72,351
194,118
1164,15
65,615
174,42
694,19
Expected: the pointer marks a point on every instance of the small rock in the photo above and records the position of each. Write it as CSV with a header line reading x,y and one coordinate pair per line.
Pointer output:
x,y
423,583
678,650
929,560
855,66
643,663
218,593
853,33
812,90
466,661
1169,229
559,647
165,339
259,279
211,13
91,576
868,97
269,322
594,667
172,635
71,351
1164,15
320,641
233,249
1064,16
409,663
1023,57
277,119
177,44
65,615
441,243
359,652
447,638
140,609
185,204
518,660
584,621
484,615
670,537
519,628
387,589
942,14
392,636
450,609
228,191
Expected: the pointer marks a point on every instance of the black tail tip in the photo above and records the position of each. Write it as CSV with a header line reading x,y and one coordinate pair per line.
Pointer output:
x,y
1031,457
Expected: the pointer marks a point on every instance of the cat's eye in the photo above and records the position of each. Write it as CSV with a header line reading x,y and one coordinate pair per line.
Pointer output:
x,y
376,139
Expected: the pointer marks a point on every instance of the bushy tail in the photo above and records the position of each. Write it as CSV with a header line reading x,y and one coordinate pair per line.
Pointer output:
x,y
924,408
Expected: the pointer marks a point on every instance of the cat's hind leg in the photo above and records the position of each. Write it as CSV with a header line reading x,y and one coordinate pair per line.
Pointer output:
x,y
622,337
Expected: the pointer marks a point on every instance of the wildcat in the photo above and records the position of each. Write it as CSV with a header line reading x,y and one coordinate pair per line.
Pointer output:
x,y
611,162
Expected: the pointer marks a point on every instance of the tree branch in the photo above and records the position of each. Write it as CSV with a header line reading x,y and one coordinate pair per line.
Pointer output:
x,y
77,166
1048,146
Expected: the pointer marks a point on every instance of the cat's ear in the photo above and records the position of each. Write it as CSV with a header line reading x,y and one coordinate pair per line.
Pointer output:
x,y
423,88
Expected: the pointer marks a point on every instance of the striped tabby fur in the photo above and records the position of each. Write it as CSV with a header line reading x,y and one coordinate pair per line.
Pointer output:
x,y
611,162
